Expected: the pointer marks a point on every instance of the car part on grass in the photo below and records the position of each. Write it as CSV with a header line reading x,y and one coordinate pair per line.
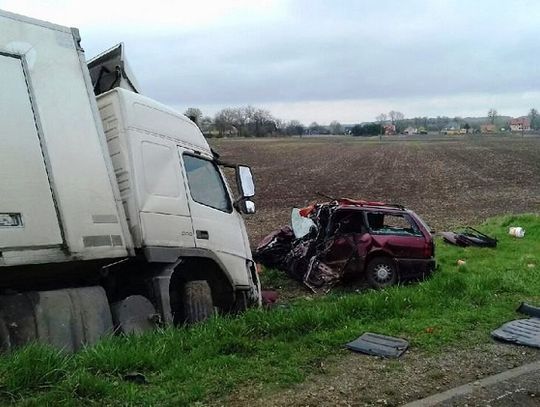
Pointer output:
x,y
469,237
269,298
521,332
135,377
344,237
529,310
379,345
516,231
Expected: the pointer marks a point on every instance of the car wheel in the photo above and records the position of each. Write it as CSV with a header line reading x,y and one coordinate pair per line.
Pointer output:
x,y
381,272
197,302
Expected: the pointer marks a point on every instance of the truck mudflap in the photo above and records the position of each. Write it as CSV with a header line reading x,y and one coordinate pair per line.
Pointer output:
x,y
66,319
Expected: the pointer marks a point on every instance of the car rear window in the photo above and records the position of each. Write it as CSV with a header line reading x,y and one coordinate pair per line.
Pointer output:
x,y
392,224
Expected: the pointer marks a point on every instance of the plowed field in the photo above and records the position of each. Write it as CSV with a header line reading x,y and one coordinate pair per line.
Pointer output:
x,y
448,181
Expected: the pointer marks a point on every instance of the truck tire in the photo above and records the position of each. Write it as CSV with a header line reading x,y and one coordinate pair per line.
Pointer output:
x,y
197,301
381,272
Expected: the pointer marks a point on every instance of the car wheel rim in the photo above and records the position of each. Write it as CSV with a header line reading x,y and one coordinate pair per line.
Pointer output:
x,y
382,273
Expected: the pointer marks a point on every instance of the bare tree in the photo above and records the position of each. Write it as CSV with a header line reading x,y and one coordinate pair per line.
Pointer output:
x,y
194,113
395,117
336,127
294,128
225,121
492,115
205,124
314,128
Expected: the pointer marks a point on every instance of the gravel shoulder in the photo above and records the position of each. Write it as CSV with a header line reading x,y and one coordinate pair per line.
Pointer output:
x,y
360,380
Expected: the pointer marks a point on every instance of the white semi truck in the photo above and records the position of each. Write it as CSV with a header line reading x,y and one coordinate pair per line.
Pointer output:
x,y
115,215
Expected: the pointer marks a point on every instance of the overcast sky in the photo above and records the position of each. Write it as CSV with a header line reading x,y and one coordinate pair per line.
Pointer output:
x,y
319,60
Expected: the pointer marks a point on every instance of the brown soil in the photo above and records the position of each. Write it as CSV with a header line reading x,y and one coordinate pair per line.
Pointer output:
x,y
360,380
448,181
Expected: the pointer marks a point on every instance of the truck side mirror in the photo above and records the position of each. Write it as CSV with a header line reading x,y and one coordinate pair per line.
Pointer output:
x,y
244,179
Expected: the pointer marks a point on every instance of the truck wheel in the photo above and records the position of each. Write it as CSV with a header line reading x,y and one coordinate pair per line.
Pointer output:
x,y
197,301
381,272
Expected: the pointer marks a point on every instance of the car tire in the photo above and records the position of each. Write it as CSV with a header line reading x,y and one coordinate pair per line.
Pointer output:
x,y
381,272
197,302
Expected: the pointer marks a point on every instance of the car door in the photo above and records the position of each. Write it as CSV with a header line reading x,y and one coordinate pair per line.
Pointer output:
x,y
396,233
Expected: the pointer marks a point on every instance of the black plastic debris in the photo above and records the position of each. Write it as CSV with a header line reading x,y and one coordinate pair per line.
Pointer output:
x,y
135,377
521,332
469,237
529,310
379,345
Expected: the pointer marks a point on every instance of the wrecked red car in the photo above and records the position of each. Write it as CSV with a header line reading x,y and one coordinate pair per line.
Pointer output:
x,y
346,238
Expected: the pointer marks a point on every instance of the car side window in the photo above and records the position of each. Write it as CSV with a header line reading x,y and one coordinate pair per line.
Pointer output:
x,y
206,184
348,221
392,224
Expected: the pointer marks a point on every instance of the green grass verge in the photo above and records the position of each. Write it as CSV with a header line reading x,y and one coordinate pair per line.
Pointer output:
x,y
282,346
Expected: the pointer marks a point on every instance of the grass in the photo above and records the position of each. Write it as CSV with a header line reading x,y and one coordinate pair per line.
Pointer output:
x,y
280,347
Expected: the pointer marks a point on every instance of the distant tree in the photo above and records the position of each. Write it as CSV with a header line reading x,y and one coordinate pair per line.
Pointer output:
x,y
492,115
314,128
294,128
225,121
336,127
535,120
205,124
261,123
395,117
368,129
392,115
357,130
194,113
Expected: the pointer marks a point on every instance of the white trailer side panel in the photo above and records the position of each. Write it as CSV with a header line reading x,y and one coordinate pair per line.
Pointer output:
x,y
72,141
27,214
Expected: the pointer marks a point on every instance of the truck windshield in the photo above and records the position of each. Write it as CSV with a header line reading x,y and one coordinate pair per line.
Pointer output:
x,y
206,184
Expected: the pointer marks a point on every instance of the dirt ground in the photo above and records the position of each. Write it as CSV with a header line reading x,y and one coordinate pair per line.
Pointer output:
x,y
449,181
360,380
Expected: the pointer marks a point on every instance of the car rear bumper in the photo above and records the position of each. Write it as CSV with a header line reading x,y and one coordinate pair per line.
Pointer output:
x,y
414,268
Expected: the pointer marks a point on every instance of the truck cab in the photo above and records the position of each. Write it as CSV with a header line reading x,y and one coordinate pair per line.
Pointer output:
x,y
176,198
115,214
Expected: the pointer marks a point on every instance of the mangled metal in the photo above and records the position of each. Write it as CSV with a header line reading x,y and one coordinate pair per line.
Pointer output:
x,y
469,237
332,240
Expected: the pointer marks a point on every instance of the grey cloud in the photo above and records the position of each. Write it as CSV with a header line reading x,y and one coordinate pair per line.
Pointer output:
x,y
342,50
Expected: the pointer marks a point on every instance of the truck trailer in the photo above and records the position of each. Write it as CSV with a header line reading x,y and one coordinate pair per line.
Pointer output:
x,y
115,214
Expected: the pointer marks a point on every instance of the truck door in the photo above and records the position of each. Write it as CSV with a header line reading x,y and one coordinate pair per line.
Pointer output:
x,y
216,225
28,217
